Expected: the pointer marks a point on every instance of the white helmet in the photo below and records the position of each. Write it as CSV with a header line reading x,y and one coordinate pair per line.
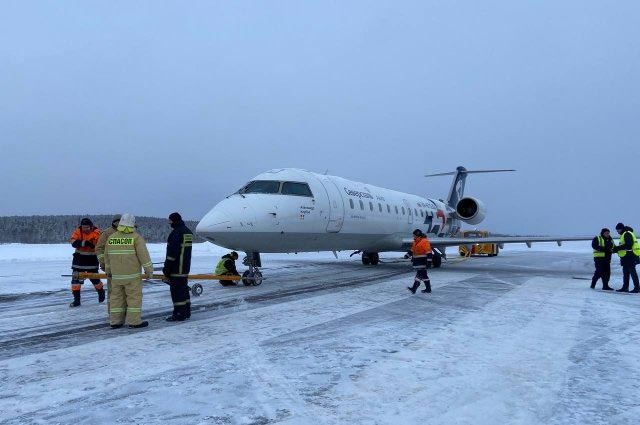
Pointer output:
x,y
128,220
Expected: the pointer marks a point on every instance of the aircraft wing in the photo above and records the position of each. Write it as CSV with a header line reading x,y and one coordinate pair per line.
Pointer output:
x,y
500,240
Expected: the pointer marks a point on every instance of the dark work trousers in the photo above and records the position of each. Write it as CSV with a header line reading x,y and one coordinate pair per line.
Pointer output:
x,y
629,270
603,271
421,276
76,284
180,296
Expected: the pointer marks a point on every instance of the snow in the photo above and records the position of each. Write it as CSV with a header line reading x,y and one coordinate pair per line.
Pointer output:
x,y
509,339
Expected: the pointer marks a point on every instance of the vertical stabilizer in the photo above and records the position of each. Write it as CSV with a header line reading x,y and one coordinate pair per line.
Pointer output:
x,y
456,193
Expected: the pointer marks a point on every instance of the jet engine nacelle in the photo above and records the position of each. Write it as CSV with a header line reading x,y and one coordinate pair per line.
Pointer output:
x,y
471,210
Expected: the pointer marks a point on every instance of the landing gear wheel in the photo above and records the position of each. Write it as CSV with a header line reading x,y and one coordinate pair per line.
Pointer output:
x,y
374,258
365,260
257,278
196,289
251,279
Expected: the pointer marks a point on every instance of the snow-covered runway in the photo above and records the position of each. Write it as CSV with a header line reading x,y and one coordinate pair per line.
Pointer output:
x,y
510,339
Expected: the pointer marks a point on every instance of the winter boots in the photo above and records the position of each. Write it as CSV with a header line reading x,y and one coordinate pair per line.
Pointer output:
x,y
76,299
142,324
427,287
414,288
101,295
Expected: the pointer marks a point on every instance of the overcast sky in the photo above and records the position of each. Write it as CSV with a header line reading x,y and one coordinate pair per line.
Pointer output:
x,y
151,107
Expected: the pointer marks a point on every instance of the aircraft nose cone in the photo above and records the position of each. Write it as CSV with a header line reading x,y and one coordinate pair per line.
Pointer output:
x,y
216,221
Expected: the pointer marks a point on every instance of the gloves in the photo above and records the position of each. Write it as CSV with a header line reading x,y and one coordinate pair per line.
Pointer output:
x,y
148,275
77,243
88,244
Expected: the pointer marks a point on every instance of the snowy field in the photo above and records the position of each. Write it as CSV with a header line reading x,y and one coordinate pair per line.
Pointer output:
x,y
514,339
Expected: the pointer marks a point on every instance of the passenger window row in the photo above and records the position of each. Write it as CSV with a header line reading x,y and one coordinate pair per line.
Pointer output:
x,y
371,208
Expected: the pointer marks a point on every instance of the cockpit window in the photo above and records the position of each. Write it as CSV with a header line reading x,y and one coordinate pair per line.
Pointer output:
x,y
261,186
297,189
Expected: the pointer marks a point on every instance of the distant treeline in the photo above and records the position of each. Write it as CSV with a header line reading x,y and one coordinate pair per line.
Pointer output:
x,y
58,228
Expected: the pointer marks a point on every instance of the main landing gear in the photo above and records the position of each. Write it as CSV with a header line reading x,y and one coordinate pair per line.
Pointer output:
x,y
370,258
253,276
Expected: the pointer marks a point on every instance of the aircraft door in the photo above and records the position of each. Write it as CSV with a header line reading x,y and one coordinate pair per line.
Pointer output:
x,y
409,211
336,206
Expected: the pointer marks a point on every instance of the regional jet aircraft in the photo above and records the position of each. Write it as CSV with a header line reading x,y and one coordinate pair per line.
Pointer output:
x,y
293,210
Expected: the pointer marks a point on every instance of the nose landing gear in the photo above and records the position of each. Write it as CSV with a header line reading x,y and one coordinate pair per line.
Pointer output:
x,y
253,276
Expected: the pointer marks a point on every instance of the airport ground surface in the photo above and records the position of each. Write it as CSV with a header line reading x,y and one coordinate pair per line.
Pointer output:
x,y
510,339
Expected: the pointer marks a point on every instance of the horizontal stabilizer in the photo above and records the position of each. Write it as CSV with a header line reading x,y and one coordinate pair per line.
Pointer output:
x,y
451,173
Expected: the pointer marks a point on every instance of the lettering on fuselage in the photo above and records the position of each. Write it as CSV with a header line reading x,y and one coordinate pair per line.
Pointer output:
x,y
357,194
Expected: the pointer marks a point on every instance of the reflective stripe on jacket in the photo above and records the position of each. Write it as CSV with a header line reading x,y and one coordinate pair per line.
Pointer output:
x,y
179,246
102,243
421,251
125,254
91,236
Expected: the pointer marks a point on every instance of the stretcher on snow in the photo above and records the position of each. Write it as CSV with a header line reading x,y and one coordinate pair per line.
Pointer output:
x,y
196,288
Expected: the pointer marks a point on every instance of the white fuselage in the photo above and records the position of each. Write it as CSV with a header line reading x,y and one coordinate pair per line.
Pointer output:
x,y
337,214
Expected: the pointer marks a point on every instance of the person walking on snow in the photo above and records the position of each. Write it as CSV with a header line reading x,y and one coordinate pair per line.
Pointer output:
x,y
84,240
421,257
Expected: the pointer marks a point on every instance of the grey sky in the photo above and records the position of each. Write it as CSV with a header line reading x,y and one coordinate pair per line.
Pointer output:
x,y
152,107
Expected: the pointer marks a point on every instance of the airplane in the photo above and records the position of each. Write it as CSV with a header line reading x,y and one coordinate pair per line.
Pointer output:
x,y
292,210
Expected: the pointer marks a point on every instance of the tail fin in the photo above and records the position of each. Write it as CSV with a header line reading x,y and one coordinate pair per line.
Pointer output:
x,y
457,187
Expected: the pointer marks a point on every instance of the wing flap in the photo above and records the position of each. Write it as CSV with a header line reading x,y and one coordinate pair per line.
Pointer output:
x,y
444,242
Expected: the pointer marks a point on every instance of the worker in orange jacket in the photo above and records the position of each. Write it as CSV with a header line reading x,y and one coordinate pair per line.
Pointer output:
x,y
421,258
84,239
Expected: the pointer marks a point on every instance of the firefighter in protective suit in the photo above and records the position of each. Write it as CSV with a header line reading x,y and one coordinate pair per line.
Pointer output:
x,y
421,258
125,254
177,266
102,243
84,240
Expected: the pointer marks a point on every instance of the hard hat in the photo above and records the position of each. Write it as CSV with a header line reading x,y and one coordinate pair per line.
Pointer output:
x,y
128,220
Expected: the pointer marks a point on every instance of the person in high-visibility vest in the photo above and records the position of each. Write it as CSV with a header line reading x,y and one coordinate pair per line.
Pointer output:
x,y
602,248
227,266
629,252
421,257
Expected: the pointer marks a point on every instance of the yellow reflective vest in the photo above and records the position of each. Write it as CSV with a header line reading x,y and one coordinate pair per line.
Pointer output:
x,y
599,254
635,248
